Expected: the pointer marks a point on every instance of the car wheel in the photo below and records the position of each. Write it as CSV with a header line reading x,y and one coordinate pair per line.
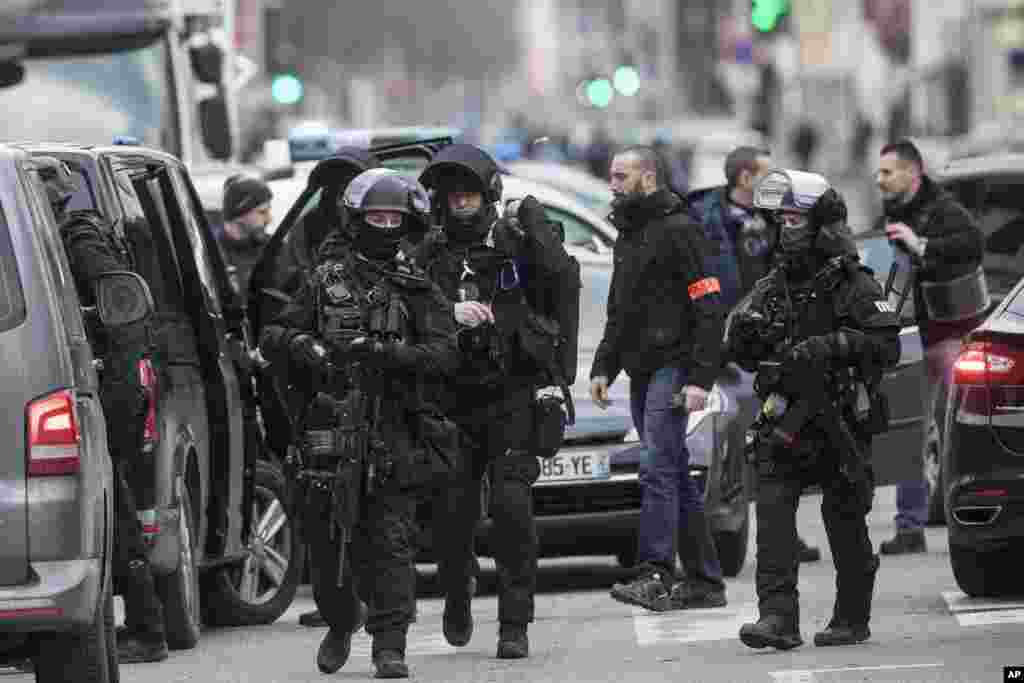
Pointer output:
x,y
82,656
936,485
978,573
732,548
179,591
262,587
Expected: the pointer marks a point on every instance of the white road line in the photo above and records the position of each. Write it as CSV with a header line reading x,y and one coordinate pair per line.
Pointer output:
x,y
808,675
961,602
1012,616
691,626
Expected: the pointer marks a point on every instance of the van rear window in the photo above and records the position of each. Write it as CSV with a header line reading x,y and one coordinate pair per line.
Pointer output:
x,y
12,299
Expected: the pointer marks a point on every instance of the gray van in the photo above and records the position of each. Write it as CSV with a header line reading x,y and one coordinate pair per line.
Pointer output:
x,y
56,486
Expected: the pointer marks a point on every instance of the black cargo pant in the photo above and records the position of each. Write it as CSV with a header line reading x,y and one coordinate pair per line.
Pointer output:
x,y
844,509
496,439
124,408
379,565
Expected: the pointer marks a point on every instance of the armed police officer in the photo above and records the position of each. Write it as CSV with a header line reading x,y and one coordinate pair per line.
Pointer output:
x,y
516,300
93,249
819,333
374,336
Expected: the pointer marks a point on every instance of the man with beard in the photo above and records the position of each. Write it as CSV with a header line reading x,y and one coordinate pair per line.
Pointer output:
x,y
819,333
950,299
664,329
247,214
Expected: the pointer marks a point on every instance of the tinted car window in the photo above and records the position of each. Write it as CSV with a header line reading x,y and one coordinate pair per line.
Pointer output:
x,y
577,231
997,203
12,299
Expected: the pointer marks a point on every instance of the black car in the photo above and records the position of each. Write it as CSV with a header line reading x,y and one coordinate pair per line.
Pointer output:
x,y
983,453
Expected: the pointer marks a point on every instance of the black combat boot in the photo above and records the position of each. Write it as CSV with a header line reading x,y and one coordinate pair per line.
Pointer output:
x,y
808,553
839,632
142,638
334,651
390,664
513,642
852,611
458,615
312,619
771,630
905,541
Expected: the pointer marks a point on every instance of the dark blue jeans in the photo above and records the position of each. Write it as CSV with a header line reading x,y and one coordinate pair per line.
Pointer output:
x,y
670,502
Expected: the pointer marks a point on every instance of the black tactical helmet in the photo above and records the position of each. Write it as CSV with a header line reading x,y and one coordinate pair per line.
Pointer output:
x,y
382,189
462,162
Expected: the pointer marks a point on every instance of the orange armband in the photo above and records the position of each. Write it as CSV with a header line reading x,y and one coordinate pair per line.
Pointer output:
x,y
708,285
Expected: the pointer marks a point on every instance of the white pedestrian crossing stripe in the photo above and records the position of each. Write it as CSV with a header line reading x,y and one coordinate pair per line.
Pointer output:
x,y
691,625
983,611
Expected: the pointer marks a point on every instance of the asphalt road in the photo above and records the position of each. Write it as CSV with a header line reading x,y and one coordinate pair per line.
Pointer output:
x,y
924,629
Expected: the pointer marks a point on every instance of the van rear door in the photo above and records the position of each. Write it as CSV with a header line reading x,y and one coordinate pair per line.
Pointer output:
x,y
15,395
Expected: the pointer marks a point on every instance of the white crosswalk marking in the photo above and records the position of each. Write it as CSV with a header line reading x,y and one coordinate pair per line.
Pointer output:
x,y
692,625
983,611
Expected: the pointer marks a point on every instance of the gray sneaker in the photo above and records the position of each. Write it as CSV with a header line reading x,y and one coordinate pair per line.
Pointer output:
x,y
686,595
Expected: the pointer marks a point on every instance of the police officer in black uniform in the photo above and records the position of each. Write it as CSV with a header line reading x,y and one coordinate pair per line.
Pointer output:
x,y
497,272
369,330
817,314
92,250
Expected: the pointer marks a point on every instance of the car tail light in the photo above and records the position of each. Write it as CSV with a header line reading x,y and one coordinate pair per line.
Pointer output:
x,y
988,363
149,523
53,436
148,378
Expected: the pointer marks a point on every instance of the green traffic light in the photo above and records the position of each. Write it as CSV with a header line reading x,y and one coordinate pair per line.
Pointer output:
x,y
626,80
766,14
600,93
286,89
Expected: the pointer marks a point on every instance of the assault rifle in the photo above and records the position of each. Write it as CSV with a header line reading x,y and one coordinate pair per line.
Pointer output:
x,y
342,446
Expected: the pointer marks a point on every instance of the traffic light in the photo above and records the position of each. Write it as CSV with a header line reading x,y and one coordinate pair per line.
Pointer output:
x,y
626,80
765,15
600,92
286,88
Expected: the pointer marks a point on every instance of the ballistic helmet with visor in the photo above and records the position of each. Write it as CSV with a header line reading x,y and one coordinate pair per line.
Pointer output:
x,y
383,205
802,203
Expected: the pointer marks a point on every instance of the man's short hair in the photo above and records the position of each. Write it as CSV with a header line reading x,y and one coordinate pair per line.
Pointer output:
x,y
650,160
905,150
742,159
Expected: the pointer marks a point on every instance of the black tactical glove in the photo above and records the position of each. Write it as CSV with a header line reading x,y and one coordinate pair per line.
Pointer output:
x,y
308,351
816,350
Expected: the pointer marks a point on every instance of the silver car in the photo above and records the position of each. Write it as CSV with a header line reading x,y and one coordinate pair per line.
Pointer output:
x,y
56,486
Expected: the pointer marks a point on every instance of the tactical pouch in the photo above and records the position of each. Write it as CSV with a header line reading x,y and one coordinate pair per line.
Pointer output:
x,y
435,454
877,419
549,421
539,337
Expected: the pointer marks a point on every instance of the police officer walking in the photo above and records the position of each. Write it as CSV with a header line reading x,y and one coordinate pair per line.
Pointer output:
x,y
92,250
372,334
516,294
942,243
819,334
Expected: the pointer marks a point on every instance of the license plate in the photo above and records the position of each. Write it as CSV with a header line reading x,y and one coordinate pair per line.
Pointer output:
x,y
581,466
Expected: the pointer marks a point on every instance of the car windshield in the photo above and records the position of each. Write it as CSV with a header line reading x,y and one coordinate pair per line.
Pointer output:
x,y
93,99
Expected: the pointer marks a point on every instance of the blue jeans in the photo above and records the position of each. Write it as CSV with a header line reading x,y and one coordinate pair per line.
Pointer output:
x,y
912,496
670,502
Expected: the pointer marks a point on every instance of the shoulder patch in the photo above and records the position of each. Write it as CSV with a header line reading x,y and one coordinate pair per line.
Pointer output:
x,y
884,307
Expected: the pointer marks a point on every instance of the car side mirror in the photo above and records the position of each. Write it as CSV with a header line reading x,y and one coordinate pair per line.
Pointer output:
x,y
122,299
216,126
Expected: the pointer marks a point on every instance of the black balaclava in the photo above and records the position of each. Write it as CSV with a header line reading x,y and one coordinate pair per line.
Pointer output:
x,y
375,243
470,226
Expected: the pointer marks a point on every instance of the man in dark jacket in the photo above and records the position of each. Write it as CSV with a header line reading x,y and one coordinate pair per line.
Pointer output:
x,y
247,214
664,329
745,244
92,251
950,299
